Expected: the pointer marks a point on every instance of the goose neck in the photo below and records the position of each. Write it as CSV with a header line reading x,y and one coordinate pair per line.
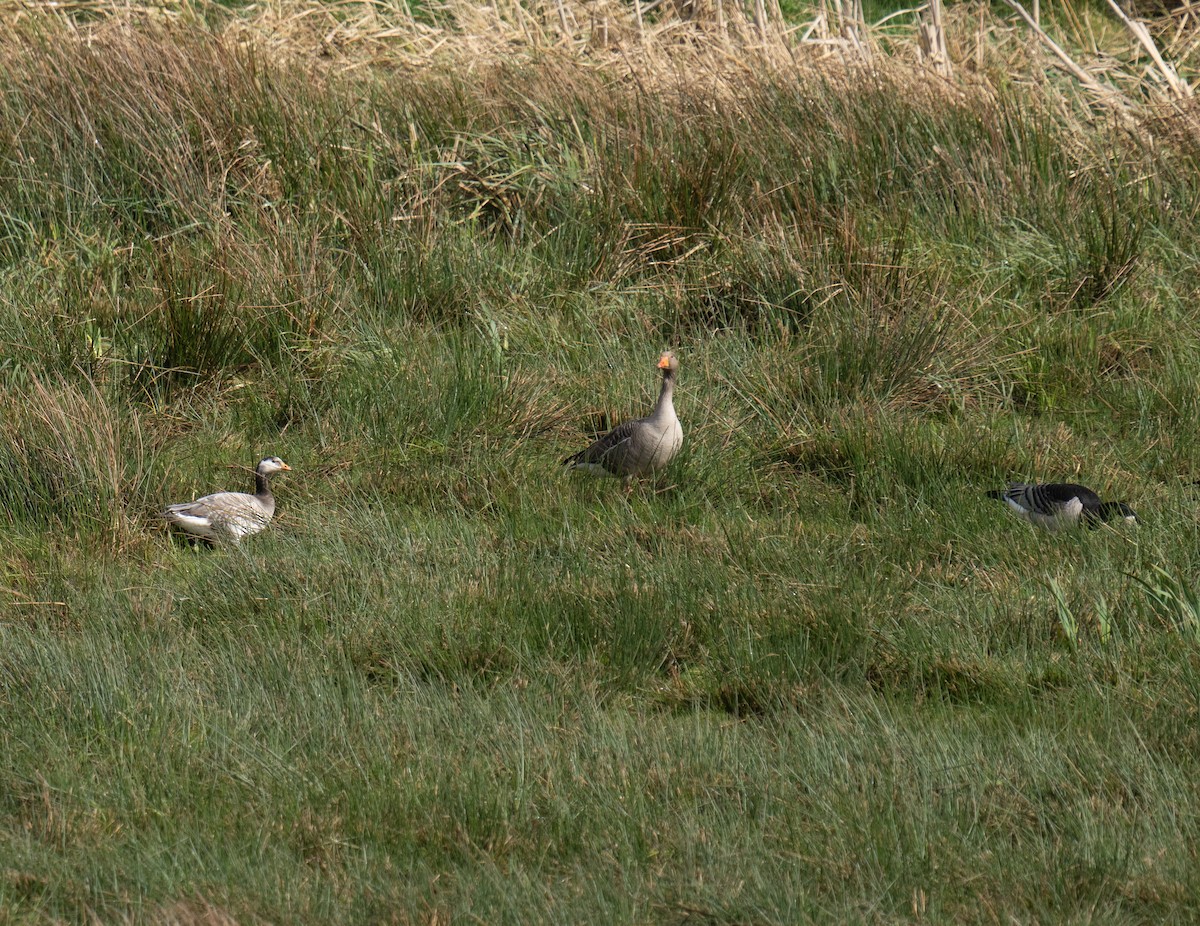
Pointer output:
x,y
1114,509
665,404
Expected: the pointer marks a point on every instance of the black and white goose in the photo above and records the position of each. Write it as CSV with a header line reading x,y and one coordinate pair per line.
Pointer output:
x,y
230,515
643,445
1055,505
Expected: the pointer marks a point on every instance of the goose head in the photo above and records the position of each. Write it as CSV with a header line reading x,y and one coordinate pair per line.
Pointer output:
x,y
268,465
668,363
1127,513
1110,510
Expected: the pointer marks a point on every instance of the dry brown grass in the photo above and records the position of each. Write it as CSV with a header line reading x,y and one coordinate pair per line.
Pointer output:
x,y
197,912
93,92
725,47
67,450
717,41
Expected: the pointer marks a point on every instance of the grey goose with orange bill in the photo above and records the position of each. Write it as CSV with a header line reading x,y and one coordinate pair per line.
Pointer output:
x,y
643,445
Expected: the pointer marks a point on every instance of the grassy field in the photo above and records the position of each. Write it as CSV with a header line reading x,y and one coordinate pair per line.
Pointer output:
x,y
809,674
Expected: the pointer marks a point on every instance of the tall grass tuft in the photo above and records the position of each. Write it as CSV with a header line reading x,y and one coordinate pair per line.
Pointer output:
x,y
71,461
1174,597
216,307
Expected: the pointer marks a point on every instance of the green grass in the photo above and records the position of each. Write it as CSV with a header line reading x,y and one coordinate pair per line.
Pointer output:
x,y
808,674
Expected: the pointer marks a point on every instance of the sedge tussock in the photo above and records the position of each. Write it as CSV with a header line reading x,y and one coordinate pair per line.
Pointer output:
x,y
71,459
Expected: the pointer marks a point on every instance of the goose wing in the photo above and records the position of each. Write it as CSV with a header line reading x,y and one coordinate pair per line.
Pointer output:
x,y
609,450
235,514
1051,498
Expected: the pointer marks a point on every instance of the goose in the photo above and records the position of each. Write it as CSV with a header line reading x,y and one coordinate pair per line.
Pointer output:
x,y
1055,505
641,446
230,515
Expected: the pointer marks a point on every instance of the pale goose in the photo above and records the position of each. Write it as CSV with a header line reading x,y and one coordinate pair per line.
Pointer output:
x,y
1056,505
638,447
230,515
